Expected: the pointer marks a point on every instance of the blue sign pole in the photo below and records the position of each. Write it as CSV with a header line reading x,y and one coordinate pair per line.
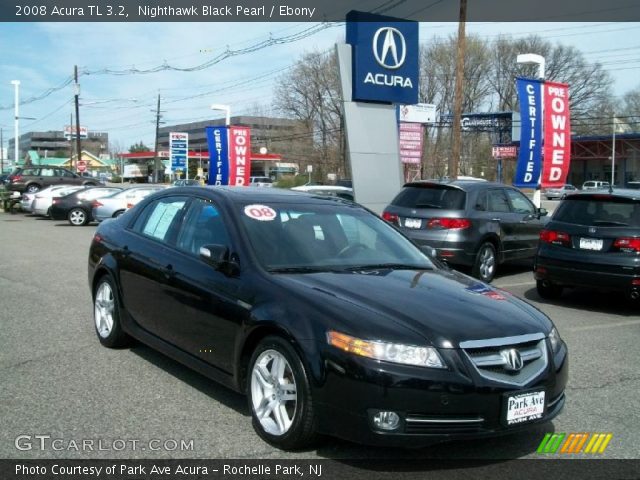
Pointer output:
x,y
530,155
218,140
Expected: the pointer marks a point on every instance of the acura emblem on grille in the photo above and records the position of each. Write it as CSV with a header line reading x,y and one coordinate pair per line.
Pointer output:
x,y
592,229
512,360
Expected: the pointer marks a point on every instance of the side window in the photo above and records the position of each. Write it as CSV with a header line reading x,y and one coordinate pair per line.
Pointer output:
x,y
202,225
519,202
46,172
161,219
481,202
60,172
498,201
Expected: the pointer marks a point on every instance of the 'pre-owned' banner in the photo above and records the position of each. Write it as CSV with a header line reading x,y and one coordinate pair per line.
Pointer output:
x,y
557,135
239,155
217,138
529,158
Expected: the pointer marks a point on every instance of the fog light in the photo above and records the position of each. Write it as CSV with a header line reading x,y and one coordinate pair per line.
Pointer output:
x,y
386,420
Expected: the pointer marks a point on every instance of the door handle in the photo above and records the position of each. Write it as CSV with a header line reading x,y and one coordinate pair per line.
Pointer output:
x,y
495,219
168,271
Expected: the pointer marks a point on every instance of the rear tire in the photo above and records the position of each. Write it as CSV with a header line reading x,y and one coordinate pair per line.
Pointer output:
x,y
548,290
279,395
486,263
33,188
106,314
78,217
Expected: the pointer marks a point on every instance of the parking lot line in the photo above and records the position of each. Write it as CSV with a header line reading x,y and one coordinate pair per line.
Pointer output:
x,y
604,325
520,284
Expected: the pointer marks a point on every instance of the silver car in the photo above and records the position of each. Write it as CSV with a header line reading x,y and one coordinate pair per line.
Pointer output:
x,y
116,204
44,198
560,192
27,199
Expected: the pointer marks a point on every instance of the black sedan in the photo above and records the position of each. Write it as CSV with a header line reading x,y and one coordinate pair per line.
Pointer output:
x,y
76,207
593,240
328,318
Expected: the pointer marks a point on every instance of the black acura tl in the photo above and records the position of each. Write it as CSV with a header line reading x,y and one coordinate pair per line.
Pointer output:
x,y
327,317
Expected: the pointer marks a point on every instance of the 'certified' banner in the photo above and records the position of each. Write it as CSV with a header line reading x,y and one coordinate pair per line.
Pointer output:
x,y
529,158
239,155
557,135
218,140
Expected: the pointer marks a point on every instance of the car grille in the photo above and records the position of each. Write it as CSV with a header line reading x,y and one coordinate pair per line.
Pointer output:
x,y
417,423
497,359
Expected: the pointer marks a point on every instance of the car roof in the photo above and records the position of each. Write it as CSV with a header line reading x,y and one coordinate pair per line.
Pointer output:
x,y
617,192
257,194
465,185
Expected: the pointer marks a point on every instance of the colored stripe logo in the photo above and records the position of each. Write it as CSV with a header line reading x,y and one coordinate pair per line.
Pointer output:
x,y
572,443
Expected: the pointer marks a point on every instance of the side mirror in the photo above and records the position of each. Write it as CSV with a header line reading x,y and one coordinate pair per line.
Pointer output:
x,y
219,257
430,251
542,212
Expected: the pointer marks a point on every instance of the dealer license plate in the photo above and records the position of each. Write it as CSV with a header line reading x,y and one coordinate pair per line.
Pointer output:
x,y
591,243
524,407
412,223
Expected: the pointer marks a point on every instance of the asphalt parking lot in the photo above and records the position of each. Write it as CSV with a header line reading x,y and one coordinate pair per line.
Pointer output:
x,y
57,380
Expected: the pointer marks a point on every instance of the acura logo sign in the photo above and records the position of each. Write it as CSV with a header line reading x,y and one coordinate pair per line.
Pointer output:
x,y
392,51
512,360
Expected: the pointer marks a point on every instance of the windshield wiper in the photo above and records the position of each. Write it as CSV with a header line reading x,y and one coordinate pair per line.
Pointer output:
x,y
609,222
387,266
301,270
428,205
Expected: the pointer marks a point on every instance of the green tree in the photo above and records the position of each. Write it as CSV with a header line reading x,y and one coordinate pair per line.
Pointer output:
x,y
139,147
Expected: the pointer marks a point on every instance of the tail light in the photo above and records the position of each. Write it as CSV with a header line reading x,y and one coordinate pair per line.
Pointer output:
x,y
390,217
129,205
96,204
555,237
15,178
55,201
449,223
627,244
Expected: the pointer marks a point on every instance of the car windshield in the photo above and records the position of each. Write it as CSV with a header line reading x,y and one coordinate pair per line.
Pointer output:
x,y
431,196
311,237
593,211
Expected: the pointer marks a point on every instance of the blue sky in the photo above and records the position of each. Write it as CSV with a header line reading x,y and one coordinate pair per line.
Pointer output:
x,y
42,56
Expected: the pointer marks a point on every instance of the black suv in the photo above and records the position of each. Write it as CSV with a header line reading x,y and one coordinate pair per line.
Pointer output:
x,y
592,240
34,178
470,223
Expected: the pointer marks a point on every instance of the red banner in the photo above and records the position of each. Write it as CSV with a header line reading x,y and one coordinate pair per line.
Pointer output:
x,y
557,135
239,155
410,136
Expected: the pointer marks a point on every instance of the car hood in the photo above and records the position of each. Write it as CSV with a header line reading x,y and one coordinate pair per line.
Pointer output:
x,y
444,307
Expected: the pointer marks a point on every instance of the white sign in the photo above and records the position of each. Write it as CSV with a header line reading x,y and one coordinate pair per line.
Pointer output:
x,y
418,113
309,168
70,132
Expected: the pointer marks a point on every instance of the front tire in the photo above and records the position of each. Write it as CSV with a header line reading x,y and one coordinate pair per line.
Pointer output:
x,y
106,315
548,290
486,263
78,217
279,395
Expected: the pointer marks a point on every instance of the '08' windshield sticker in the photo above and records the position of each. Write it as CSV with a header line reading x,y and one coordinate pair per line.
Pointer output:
x,y
261,213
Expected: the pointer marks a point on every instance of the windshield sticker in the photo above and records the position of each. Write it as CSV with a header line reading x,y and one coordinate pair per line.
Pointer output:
x,y
261,213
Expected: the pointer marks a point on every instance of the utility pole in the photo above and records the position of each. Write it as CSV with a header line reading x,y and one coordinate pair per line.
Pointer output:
x,y
1,152
77,98
454,160
157,164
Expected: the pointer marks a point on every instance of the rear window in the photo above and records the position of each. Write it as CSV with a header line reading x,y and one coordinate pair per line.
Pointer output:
x,y
593,211
444,198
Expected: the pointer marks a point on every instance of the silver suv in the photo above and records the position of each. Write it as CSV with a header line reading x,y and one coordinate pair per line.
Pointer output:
x,y
469,223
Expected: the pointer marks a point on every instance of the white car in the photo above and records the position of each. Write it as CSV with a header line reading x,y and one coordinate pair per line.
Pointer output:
x,y
595,185
260,182
44,198
116,204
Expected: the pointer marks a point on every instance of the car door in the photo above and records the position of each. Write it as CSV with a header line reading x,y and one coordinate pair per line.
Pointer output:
x,y
145,260
529,224
500,212
47,177
208,300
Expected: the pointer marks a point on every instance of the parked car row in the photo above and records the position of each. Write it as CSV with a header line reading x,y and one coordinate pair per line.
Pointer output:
x,y
593,238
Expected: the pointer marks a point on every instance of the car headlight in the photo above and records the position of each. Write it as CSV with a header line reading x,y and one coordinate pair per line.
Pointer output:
x,y
554,338
388,352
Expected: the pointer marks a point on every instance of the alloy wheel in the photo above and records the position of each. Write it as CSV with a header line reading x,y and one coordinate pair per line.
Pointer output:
x,y
77,217
487,263
104,308
274,394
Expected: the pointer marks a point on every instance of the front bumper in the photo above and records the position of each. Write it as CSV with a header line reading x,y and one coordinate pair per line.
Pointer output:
x,y
434,405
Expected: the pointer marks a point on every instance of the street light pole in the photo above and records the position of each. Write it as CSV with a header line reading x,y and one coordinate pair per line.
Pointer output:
x,y
224,108
16,151
613,154
539,60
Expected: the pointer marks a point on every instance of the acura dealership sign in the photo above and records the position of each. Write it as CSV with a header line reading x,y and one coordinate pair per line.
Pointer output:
x,y
385,58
